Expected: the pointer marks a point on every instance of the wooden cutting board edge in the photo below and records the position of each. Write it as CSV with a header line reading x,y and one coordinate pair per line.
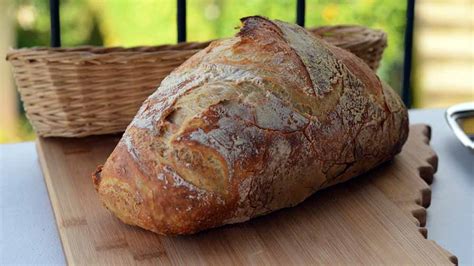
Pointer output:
x,y
53,198
426,173
416,212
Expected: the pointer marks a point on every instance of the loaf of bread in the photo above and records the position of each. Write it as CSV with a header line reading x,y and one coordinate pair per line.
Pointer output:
x,y
247,126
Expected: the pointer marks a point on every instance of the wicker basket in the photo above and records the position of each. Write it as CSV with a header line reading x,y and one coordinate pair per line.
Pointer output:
x,y
76,92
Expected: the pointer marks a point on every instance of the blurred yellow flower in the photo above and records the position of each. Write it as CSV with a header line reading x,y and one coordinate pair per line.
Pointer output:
x,y
329,12
26,16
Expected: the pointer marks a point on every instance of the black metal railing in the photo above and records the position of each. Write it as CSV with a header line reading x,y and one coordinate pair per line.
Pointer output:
x,y
407,58
300,12
300,20
55,24
181,20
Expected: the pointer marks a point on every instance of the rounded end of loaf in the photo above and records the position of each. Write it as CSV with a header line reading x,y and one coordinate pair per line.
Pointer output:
x,y
158,200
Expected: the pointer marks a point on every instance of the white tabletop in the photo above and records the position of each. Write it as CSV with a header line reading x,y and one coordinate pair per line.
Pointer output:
x,y
29,235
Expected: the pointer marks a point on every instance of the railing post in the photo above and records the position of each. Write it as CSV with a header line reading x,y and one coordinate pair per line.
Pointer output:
x,y
181,20
300,12
55,23
407,60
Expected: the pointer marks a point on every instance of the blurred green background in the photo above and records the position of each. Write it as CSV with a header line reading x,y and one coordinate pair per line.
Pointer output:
x,y
153,22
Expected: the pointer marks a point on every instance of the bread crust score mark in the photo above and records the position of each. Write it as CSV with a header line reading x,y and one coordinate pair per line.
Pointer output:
x,y
249,125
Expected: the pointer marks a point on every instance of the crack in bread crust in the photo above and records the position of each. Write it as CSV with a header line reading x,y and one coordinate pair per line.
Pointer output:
x,y
249,125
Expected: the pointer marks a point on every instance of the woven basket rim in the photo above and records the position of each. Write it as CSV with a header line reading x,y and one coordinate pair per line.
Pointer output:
x,y
104,49
89,52
85,56
350,30
347,26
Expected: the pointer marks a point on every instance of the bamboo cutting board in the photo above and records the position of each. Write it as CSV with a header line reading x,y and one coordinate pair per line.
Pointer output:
x,y
377,218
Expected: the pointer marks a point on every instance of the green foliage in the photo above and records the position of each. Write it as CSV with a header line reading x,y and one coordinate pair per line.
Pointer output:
x,y
219,18
79,24
132,23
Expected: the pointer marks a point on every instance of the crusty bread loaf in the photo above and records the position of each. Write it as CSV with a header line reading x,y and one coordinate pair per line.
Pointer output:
x,y
249,125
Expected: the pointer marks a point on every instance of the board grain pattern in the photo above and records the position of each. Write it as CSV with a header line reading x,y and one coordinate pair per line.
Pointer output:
x,y
377,218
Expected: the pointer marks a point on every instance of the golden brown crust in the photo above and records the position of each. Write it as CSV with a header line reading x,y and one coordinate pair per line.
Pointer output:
x,y
249,125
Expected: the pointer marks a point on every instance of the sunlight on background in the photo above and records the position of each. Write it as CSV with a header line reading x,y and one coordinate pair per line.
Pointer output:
x,y
443,47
